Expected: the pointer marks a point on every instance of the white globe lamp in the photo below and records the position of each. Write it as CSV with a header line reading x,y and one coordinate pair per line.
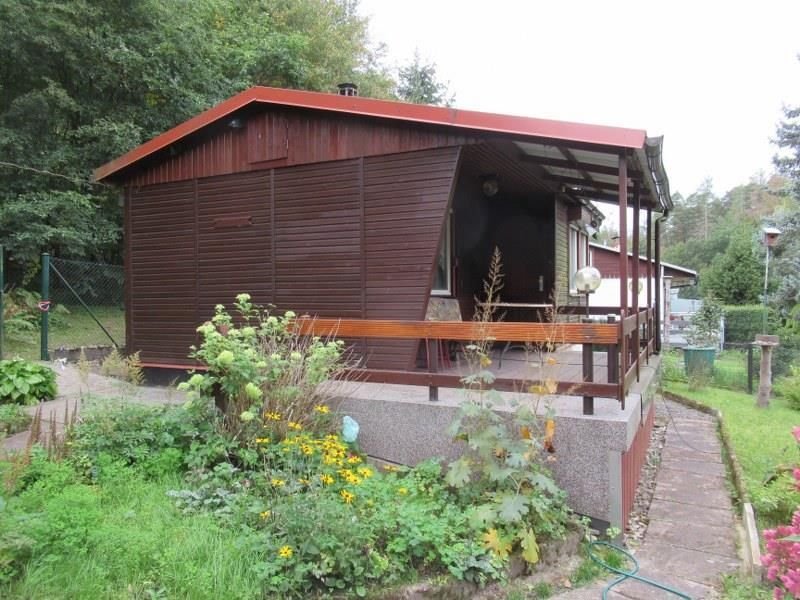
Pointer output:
x,y
587,280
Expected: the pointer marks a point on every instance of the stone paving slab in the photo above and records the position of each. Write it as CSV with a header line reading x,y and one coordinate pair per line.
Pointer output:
x,y
714,539
687,515
700,467
691,488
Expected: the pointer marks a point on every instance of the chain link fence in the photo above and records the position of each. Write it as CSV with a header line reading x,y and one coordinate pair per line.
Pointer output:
x,y
87,305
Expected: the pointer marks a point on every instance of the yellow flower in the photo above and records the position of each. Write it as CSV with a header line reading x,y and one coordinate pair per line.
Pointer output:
x,y
354,460
285,552
303,481
390,468
322,409
365,472
551,360
295,426
326,479
278,482
402,491
333,437
307,450
485,361
272,416
265,514
262,440
347,497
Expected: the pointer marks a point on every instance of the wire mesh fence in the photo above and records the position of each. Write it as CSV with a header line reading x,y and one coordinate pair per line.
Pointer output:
x,y
87,304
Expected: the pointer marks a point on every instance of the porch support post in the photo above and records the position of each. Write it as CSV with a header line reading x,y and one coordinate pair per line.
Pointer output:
x,y
659,285
649,336
637,345
623,272
588,376
433,367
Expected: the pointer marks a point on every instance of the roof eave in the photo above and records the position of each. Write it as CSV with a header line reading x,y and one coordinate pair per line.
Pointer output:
x,y
523,127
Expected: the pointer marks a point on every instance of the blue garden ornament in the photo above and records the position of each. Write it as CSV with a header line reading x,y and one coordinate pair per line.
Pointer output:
x,y
349,429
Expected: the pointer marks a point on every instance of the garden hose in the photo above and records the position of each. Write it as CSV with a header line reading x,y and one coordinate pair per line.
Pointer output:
x,y
625,575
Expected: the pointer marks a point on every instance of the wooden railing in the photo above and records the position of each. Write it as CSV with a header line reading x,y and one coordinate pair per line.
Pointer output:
x,y
627,342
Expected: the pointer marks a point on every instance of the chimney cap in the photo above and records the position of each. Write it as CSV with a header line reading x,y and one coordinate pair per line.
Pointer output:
x,y
347,89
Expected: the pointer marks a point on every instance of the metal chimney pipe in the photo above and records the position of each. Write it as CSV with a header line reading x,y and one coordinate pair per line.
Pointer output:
x,y
348,89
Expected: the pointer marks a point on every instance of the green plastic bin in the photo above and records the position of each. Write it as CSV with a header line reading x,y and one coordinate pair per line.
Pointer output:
x,y
699,360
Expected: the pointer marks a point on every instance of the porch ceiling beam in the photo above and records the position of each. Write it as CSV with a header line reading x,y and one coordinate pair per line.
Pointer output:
x,y
576,165
609,198
561,163
598,185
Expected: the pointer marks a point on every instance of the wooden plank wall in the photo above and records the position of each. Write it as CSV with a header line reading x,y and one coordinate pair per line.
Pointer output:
x,y
406,198
352,238
282,137
633,461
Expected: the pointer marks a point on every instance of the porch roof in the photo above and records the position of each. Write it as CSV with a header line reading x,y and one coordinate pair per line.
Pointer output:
x,y
581,158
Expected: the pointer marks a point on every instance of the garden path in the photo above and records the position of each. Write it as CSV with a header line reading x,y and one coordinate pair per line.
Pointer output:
x,y
75,390
691,537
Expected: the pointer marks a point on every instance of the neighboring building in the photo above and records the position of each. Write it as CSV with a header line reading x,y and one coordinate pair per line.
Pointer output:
x,y
608,294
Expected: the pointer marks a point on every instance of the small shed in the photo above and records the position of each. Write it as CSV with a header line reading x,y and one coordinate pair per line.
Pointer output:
x,y
350,207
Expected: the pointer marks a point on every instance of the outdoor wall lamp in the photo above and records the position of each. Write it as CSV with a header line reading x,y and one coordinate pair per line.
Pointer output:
x,y
587,280
490,185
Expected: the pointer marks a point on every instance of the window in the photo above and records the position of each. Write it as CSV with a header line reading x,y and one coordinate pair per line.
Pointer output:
x,y
578,253
442,278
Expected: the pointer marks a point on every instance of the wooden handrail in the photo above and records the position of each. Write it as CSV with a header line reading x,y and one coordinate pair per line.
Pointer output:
x,y
631,322
465,331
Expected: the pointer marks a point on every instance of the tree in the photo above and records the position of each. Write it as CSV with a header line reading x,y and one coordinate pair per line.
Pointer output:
x,y
418,83
736,276
83,81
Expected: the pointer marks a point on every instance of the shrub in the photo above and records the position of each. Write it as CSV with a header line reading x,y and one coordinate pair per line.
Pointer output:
x,y
140,435
24,382
262,364
704,330
743,323
782,549
127,368
13,419
789,387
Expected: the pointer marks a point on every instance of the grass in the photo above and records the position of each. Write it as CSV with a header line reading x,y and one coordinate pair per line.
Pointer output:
x,y
73,330
126,539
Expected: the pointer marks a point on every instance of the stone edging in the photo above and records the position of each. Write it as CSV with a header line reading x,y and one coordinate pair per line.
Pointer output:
x,y
751,547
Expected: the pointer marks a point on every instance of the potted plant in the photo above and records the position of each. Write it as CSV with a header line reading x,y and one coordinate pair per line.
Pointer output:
x,y
703,337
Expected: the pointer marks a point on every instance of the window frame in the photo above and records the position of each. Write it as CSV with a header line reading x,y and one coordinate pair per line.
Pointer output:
x,y
578,254
446,243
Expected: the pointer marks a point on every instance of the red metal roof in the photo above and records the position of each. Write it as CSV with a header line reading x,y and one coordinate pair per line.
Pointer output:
x,y
541,129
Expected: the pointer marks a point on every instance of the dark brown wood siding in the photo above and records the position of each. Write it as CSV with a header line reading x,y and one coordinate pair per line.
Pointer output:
x,y
163,275
406,198
234,246
318,239
355,238
281,137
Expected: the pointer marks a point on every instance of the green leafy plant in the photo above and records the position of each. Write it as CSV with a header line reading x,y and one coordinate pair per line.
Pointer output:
x,y
128,368
704,330
789,387
25,382
259,362
13,419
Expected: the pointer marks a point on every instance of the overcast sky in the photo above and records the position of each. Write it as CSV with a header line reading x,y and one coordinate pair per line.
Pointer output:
x,y
710,76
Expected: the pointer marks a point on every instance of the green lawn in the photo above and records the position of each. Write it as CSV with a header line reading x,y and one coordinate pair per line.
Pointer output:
x,y
73,330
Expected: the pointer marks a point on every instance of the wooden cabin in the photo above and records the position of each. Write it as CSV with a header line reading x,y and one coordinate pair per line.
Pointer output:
x,y
363,210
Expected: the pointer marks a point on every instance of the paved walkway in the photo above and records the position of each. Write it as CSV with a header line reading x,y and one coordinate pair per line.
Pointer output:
x,y
75,391
691,538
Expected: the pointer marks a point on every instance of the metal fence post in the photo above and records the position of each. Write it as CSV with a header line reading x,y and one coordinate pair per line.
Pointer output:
x,y
45,306
2,306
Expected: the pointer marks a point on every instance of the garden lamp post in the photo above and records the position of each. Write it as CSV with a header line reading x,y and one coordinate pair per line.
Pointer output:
x,y
587,280
771,235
